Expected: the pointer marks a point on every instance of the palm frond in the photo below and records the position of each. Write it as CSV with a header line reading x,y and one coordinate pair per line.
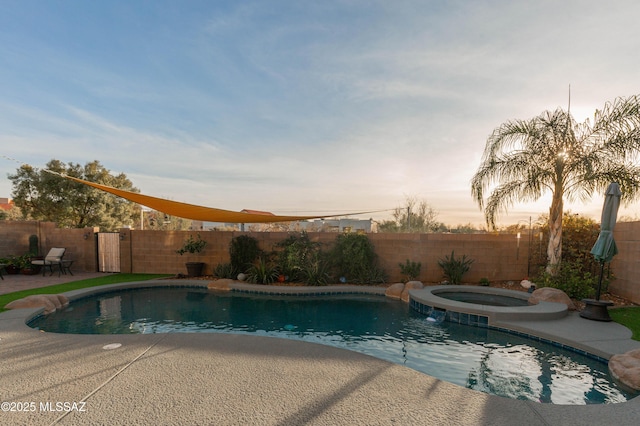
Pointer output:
x,y
525,158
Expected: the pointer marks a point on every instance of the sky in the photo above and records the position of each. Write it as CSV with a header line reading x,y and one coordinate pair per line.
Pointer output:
x,y
303,107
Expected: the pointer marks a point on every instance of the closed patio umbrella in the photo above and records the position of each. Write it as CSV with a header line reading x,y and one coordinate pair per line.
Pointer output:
x,y
603,251
605,247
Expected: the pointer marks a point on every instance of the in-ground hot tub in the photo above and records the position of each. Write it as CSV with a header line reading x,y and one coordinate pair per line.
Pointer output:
x,y
475,305
484,298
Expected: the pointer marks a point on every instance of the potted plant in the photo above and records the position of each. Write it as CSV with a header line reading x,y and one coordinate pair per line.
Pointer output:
x,y
26,268
193,246
13,264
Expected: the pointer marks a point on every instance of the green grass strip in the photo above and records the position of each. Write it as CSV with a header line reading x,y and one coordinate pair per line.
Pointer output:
x,y
76,285
629,317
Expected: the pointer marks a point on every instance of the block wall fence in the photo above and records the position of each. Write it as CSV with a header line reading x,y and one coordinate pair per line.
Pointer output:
x,y
79,243
626,264
496,257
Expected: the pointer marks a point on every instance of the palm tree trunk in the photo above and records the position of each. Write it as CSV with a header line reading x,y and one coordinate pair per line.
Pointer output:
x,y
554,250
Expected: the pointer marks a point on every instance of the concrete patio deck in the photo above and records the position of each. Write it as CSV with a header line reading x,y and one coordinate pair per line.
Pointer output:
x,y
219,379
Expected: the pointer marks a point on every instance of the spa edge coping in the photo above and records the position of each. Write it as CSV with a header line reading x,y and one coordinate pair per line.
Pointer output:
x,y
495,314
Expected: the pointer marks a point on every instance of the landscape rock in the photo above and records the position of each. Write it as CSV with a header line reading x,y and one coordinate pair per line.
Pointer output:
x,y
411,285
548,294
626,369
526,284
223,284
394,291
50,302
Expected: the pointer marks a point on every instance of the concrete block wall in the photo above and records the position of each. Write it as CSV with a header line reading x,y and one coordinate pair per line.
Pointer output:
x,y
14,236
626,264
496,257
80,244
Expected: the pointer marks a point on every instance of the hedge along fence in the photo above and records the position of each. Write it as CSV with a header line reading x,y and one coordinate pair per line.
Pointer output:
x,y
496,257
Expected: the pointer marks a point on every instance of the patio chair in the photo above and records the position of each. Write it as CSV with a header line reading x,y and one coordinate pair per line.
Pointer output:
x,y
54,257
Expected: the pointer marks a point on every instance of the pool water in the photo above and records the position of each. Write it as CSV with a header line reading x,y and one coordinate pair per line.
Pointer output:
x,y
477,358
482,298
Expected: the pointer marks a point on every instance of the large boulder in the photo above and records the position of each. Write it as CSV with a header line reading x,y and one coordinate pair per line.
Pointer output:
x,y
411,285
223,284
394,291
548,294
626,369
50,302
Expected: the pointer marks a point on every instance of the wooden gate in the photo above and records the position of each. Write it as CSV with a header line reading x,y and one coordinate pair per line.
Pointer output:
x,y
108,252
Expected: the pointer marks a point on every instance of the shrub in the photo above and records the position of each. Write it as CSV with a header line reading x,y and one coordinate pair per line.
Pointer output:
x,y
410,270
353,257
373,275
296,254
243,251
224,270
315,270
33,245
192,245
573,278
262,272
454,268
484,282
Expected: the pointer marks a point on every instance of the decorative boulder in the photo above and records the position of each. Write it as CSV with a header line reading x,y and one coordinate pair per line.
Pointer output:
x,y
548,294
626,369
50,302
526,283
221,284
411,285
394,291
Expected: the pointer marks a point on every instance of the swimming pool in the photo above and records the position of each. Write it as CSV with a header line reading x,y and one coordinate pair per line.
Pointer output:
x,y
477,358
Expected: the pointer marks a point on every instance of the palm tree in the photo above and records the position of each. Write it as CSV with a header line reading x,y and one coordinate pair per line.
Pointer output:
x,y
553,153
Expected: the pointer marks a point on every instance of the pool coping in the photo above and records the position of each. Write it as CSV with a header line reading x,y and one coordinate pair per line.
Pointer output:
x,y
429,398
501,318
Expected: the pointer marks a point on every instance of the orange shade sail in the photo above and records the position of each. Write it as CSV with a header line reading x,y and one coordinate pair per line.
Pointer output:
x,y
194,212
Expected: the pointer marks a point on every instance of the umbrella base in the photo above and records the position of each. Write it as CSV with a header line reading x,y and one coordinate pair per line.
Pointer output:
x,y
596,310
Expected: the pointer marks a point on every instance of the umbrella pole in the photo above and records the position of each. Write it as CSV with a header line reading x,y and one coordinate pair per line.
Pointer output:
x,y
600,281
595,309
